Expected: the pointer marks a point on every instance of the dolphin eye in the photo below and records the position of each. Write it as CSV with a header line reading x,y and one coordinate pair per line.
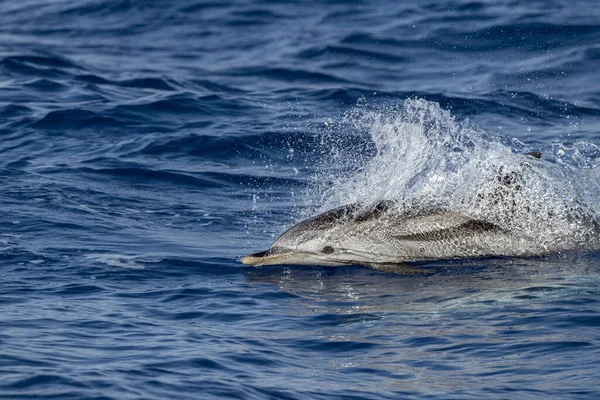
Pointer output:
x,y
327,250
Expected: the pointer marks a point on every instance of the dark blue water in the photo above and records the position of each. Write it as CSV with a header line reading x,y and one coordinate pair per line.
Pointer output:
x,y
148,145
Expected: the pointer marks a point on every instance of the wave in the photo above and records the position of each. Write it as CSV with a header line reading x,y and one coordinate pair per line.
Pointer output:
x,y
75,119
146,174
40,62
153,83
288,74
352,53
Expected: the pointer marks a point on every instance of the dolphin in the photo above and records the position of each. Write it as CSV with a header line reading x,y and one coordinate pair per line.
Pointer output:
x,y
385,236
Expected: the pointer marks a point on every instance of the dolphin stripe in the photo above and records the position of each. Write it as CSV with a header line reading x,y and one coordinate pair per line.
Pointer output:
x,y
471,227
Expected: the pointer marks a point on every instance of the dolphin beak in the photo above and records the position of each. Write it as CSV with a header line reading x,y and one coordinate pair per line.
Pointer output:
x,y
255,259
266,258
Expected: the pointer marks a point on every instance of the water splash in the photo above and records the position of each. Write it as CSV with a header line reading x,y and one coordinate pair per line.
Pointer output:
x,y
418,154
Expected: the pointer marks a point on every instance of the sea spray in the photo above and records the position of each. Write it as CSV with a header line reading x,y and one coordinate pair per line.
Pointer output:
x,y
416,153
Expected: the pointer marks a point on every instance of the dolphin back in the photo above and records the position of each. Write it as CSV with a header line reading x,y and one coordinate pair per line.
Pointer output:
x,y
385,233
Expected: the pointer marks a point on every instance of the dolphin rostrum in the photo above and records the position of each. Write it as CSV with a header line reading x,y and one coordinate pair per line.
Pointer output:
x,y
382,236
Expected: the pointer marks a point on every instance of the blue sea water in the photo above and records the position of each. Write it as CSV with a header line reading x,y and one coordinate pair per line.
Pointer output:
x,y
148,145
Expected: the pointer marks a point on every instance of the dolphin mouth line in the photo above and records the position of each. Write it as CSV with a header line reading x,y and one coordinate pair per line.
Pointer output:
x,y
280,256
266,257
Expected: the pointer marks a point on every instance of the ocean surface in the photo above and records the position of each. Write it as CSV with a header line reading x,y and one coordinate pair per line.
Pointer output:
x,y
146,146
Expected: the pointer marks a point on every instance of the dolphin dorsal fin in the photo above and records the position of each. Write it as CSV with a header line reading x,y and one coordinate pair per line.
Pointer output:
x,y
375,212
535,154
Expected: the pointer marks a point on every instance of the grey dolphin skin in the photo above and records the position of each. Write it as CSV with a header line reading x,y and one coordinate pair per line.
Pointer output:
x,y
382,236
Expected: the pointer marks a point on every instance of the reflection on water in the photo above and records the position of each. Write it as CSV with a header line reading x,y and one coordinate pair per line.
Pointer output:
x,y
442,286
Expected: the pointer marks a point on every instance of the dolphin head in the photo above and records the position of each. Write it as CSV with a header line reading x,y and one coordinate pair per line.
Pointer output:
x,y
330,239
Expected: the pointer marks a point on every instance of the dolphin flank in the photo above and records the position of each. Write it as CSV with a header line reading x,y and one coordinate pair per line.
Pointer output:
x,y
383,235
